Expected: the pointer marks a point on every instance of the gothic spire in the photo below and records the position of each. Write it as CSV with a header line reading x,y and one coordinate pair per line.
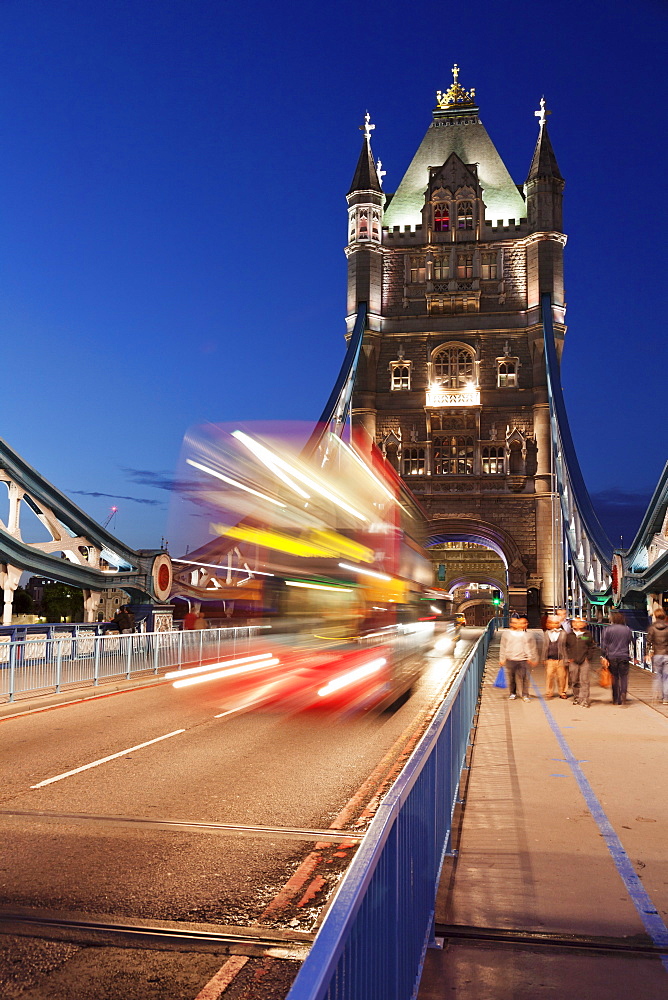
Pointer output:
x,y
544,163
366,175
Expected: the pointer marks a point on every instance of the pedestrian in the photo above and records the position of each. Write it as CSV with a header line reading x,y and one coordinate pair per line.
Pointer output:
x,y
657,642
200,621
554,657
615,642
125,620
562,615
190,619
518,653
579,651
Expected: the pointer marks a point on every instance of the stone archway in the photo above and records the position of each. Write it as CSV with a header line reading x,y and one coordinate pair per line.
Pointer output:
x,y
464,528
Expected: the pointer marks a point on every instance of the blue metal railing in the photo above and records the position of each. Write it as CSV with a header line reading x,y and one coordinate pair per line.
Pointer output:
x,y
372,942
44,664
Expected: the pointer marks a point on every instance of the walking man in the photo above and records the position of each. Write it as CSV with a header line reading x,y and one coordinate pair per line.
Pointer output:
x,y
579,649
517,654
615,642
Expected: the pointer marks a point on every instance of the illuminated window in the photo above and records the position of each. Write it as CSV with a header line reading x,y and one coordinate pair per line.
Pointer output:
x,y
363,226
441,217
488,266
441,268
507,373
453,456
401,375
464,265
454,367
413,460
493,461
417,270
465,215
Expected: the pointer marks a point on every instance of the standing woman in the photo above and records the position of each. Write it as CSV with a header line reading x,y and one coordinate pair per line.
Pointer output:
x,y
615,643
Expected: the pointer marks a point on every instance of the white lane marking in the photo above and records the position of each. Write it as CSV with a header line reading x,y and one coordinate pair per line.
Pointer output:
x,y
103,760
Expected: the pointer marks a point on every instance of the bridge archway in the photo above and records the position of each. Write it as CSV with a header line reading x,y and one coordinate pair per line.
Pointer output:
x,y
506,573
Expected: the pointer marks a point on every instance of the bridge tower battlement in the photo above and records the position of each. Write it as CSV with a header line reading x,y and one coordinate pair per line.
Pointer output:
x,y
452,382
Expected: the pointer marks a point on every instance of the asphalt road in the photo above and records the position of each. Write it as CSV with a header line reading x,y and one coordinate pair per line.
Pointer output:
x,y
171,759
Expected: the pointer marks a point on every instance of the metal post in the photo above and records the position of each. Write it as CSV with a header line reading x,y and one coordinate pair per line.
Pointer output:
x,y
128,663
156,650
12,668
59,664
179,655
96,667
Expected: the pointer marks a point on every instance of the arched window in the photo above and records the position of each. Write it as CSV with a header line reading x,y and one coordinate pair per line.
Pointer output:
x,y
493,460
413,461
452,456
441,217
507,374
465,215
454,367
401,375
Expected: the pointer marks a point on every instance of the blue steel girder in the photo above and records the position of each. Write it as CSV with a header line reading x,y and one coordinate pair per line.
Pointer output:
x,y
589,546
644,565
335,414
80,539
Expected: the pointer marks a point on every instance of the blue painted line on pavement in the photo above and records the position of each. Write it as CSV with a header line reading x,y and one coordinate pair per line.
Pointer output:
x,y
640,898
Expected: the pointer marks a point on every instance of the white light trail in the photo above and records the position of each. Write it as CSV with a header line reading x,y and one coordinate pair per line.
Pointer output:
x,y
372,475
317,586
225,569
364,572
103,760
345,680
233,482
219,674
275,461
237,662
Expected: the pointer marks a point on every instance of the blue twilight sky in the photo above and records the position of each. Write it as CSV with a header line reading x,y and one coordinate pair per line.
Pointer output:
x,y
172,216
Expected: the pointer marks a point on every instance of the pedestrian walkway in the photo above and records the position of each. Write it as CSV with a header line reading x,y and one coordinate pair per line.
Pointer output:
x,y
560,881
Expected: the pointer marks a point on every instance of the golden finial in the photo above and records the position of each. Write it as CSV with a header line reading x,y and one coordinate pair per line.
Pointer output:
x,y
456,96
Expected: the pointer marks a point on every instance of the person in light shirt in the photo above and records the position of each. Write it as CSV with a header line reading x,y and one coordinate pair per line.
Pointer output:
x,y
517,654
554,657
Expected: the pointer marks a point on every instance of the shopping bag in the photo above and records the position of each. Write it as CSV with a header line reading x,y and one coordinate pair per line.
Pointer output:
x,y
605,678
500,681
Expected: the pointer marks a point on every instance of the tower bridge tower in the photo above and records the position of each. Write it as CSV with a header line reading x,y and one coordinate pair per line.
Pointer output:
x,y
451,383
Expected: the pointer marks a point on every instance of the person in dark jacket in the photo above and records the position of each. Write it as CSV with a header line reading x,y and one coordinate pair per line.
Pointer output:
x,y
579,650
125,620
657,642
615,643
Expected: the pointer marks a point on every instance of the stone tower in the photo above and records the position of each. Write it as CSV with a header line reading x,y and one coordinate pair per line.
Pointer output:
x,y
451,383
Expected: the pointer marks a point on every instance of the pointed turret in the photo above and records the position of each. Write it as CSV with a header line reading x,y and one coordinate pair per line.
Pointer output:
x,y
365,177
544,186
365,220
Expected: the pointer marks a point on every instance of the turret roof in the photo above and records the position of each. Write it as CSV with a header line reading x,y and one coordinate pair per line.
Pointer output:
x,y
456,128
544,162
365,177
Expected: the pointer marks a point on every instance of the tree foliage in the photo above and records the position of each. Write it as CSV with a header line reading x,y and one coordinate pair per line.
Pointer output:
x,y
62,601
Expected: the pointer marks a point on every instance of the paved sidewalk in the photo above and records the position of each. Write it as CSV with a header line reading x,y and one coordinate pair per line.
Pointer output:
x,y
537,858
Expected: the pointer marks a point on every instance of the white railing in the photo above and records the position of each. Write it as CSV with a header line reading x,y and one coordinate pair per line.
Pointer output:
x,y
40,665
